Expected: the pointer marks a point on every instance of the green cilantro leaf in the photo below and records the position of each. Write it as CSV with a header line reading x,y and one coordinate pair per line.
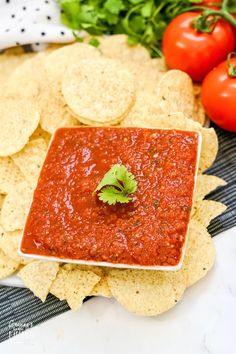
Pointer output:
x,y
144,21
114,6
146,10
94,42
116,185
112,196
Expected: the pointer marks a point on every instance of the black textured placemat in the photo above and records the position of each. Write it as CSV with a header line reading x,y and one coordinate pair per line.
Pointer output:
x,y
20,309
225,167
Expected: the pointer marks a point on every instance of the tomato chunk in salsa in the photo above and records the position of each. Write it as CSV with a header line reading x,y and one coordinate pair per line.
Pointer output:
x,y
68,222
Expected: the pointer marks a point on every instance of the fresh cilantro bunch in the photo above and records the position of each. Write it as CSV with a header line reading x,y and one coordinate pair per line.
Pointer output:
x,y
144,21
116,185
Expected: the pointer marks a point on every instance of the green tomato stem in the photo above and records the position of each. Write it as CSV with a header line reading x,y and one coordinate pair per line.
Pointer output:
x,y
203,25
231,67
223,14
126,20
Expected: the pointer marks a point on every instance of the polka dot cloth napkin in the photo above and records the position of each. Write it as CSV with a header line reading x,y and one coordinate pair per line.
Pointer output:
x,y
31,22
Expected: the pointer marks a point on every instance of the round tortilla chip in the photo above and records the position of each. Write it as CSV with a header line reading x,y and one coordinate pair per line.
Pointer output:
x,y
18,120
197,89
39,133
207,211
9,242
99,91
175,93
30,160
54,113
26,79
38,277
145,105
198,111
146,75
2,197
16,206
59,60
10,175
8,63
116,47
18,50
146,292
8,266
200,253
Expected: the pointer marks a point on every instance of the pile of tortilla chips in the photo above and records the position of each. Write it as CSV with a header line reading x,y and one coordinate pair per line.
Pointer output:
x,y
111,85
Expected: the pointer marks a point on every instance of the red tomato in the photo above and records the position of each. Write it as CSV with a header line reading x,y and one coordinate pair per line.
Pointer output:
x,y
219,96
234,28
194,52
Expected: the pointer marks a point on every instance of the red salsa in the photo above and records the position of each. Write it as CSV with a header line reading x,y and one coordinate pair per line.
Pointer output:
x,y
67,221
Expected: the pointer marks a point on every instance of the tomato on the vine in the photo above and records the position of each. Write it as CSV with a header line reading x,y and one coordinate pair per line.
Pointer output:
x,y
195,52
219,95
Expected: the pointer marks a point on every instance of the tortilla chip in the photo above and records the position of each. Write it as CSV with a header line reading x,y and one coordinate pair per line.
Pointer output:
x,y
73,286
9,242
54,113
38,277
198,111
99,91
207,211
205,185
145,106
146,292
175,93
60,59
26,79
53,46
8,63
197,89
2,197
10,175
146,75
39,133
16,206
8,266
116,47
18,120
17,50
102,288
200,253
161,63
30,160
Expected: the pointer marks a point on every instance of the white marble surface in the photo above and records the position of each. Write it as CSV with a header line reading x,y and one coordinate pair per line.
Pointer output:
x,y
204,322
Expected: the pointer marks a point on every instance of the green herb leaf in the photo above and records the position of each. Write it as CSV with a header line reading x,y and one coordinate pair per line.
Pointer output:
x,y
114,6
94,42
144,21
116,185
146,10
112,196
137,24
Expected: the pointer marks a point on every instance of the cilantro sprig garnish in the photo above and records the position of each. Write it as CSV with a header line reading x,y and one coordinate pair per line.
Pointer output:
x,y
144,21
116,186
